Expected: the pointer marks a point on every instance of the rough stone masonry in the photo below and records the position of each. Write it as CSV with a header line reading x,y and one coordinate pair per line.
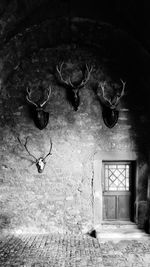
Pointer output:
x,y
61,199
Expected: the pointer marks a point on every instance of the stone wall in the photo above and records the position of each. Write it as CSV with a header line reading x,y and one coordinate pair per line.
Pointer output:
x,y
61,198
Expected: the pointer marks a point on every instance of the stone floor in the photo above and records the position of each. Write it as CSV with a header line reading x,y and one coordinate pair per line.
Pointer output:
x,y
57,250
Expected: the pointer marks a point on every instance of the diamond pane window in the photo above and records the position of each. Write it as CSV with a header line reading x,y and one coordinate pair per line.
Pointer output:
x,y
116,176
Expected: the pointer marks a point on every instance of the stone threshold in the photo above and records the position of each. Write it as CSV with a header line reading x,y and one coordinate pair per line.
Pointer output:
x,y
118,224
120,230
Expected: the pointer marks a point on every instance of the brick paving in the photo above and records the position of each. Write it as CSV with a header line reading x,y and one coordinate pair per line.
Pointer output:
x,y
72,251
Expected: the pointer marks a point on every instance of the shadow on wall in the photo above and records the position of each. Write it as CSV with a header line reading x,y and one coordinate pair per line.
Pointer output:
x,y
134,63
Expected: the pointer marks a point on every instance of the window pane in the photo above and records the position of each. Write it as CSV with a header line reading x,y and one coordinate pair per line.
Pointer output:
x,y
116,177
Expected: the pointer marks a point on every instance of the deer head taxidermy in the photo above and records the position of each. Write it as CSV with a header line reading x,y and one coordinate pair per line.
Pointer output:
x,y
39,162
38,114
73,86
109,103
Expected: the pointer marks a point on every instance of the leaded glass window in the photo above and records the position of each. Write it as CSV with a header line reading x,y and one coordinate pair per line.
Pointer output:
x,y
116,176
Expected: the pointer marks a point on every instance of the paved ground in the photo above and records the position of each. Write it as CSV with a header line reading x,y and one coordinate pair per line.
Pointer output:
x,y
72,251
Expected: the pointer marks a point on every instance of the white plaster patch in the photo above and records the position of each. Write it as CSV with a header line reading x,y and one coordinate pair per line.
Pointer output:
x,y
69,198
97,194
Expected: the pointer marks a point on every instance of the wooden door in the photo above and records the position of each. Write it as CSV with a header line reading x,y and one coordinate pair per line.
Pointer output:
x,y
118,190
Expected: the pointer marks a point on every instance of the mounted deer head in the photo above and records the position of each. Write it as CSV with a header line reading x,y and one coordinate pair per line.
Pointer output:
x,y
40,116
110,113
39,162
74,86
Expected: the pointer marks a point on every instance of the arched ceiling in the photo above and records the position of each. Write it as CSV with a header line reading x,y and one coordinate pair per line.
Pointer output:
x,y
16,15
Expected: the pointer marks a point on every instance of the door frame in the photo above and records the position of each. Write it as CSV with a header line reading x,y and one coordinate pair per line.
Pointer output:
x,y
98,159
130,192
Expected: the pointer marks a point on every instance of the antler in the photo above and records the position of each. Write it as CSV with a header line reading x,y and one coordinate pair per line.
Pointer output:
x,y
87,77
118,95
48,96
28,97
69,82
123,84
49,153
25,146
103,91
59,70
